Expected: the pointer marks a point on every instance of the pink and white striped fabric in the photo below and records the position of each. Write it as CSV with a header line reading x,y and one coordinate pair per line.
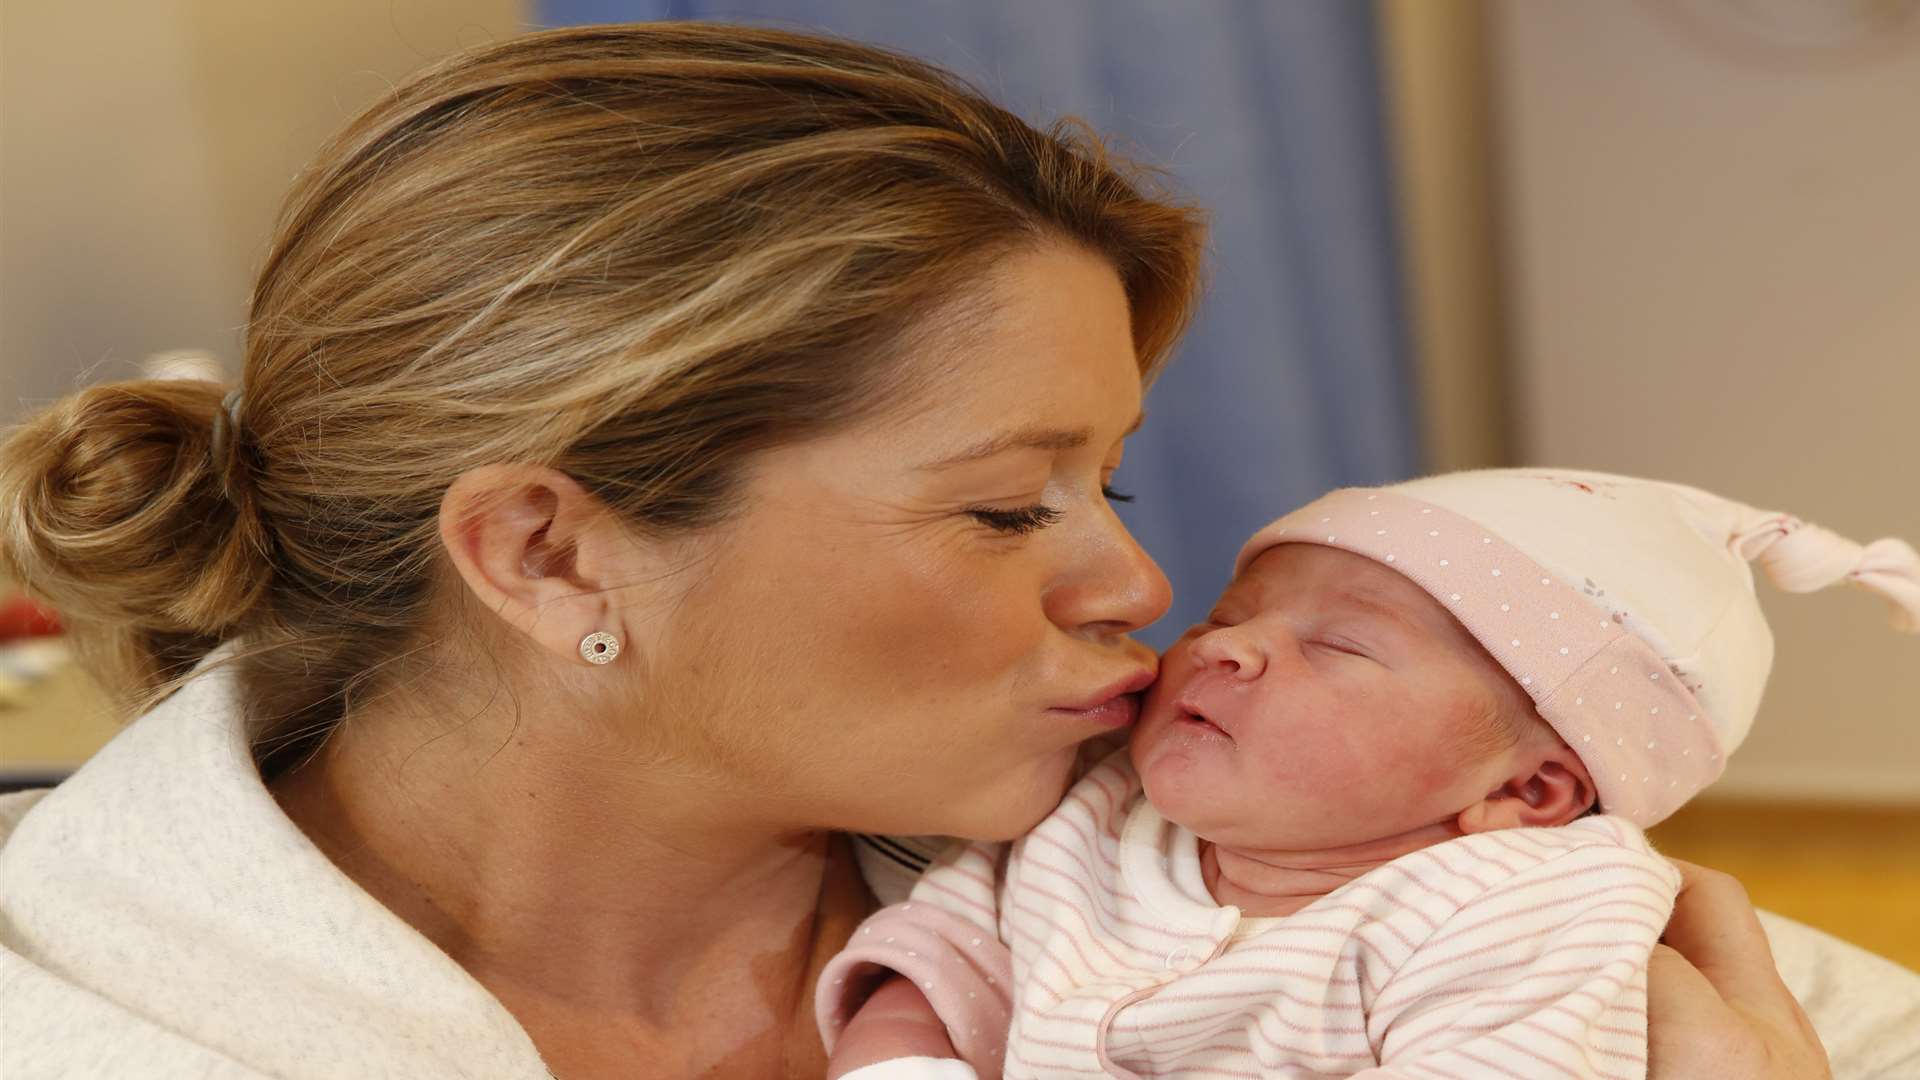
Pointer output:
x,y
1519,953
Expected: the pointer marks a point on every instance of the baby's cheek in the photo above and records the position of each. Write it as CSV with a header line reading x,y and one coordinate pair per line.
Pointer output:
x,y
1431,776
1320,756
1425,747
1366,762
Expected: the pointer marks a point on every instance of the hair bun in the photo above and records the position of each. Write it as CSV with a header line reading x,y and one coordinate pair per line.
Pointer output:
x,y
116,514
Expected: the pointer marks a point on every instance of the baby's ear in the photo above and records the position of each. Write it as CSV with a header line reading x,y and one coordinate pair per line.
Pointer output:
x,y
1549,786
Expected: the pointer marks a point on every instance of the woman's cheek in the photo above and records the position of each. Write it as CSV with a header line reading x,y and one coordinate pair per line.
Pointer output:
x,y
1032,798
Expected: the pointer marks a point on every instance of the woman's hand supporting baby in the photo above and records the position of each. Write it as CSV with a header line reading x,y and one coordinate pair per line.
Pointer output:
x,y
1716,1005
896,1022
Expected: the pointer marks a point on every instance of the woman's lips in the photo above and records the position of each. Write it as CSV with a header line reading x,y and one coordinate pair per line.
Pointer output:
x,y
1116,712
1116,706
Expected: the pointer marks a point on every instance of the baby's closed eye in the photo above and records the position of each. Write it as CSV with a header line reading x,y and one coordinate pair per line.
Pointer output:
x,y
1344,647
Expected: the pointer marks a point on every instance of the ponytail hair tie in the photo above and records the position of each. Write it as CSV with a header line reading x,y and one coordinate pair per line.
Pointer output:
x,y
226,420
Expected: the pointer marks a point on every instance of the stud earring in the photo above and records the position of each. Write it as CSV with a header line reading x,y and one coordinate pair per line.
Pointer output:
x,y
599,647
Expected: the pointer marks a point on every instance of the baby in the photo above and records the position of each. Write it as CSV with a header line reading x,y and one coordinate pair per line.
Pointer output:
x,y
1382,813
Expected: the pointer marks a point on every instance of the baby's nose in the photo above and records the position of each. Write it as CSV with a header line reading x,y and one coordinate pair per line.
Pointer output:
x,y
1231,651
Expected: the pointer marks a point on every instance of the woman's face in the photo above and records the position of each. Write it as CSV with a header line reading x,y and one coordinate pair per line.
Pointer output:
x,y
912,624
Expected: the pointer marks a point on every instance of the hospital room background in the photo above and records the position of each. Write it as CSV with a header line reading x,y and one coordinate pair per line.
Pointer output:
x,y
1676,238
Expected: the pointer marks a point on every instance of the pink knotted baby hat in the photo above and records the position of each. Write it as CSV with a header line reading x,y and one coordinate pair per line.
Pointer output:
x,y
1625,607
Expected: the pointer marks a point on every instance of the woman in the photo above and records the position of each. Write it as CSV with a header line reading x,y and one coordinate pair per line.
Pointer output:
x,y
660,447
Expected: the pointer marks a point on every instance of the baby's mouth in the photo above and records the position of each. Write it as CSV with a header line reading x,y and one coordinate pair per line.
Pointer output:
x,y
1192,719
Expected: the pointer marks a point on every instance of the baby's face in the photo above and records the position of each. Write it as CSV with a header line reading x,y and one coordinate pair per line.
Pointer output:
x,y
1326,702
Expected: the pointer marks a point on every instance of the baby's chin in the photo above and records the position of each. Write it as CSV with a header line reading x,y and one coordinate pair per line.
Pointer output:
x,y
1204,794
1185,790
1215,815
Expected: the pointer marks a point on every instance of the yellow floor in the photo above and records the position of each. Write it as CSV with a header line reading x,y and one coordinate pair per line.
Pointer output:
x,y
1851,871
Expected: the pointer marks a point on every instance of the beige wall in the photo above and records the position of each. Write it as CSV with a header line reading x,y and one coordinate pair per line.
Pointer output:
x,y
1713,253
1434,72
144,150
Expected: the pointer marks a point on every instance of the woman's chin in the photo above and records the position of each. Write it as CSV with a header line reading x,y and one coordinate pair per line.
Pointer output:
x,y
1023,798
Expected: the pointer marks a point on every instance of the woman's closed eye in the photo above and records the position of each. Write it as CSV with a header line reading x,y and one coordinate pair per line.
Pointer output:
x,y
1018,521
1021,520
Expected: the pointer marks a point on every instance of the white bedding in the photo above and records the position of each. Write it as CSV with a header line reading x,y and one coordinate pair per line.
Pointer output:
x,y
1866,1009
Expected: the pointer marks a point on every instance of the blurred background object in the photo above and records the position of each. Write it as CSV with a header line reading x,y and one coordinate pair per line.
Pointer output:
x,y
30,647
1664,237
184,364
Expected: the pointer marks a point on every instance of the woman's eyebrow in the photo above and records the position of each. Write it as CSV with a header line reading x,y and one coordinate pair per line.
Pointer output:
x,y
1028,438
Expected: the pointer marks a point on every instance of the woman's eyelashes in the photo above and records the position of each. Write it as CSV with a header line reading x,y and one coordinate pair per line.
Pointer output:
x,y
1022,520
1016,522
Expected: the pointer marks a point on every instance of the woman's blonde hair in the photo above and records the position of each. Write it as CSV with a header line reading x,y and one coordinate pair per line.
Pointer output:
x,y
637,254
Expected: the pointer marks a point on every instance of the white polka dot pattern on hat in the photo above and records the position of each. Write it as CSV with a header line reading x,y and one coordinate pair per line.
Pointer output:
x,y
1563,663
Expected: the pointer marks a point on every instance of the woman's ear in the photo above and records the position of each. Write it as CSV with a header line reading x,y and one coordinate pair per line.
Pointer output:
x,y
537,550
1549,786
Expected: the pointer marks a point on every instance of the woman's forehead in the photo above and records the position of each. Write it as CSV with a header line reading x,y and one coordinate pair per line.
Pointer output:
x,y
1047,364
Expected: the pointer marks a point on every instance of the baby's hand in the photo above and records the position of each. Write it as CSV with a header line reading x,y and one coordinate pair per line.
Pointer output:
x,y
895,1022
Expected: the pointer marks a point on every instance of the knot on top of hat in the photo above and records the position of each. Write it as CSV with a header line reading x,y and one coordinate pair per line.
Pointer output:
x,y
1891,568
1799,557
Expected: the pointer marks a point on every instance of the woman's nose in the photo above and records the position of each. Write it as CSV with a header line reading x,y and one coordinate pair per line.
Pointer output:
x,y
1230,650
1120,590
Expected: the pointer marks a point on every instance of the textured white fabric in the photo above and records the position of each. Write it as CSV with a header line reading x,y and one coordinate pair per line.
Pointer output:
x,y
1865,1007
160,917
914,1068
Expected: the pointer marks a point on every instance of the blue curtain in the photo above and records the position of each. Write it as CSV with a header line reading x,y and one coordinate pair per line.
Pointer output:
x,y
1295,378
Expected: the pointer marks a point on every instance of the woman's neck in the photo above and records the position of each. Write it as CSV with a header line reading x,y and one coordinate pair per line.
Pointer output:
x,y
627,906
1263,882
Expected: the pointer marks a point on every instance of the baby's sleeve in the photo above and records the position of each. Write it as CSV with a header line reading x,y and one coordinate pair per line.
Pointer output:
x,y
945,938
1544,975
